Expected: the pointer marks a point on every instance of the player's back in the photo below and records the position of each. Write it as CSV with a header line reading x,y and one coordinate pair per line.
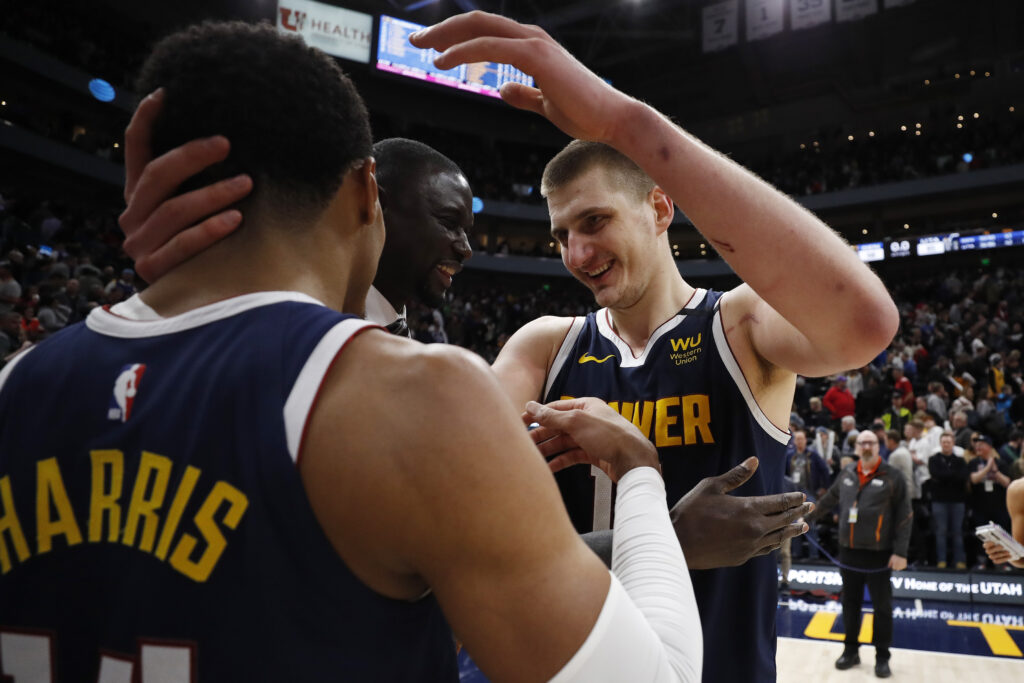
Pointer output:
x,y
152,515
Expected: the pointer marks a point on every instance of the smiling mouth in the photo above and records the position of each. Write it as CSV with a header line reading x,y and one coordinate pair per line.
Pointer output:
x,y
598,272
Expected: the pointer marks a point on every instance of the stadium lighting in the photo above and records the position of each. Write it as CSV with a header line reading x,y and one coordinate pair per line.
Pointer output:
x,y
972,72
703,253
906,226
871,133
803,146
903,128
968,157
917,125
3,103
864,231
995,215
959,125
478,205
815,143
976,114
927,82
101,90
116,145
917,132
850,138
956,75
702,245
987,74
1011,108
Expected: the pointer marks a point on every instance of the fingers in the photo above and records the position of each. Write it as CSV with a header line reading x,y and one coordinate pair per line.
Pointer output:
x,y
463,27
790,516
570,458
162,176
774,540
558,444
185,245
523,53
177,214
735,477
137,151
777,504
523,96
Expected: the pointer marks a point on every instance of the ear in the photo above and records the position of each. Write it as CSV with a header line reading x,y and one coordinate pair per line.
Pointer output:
x,y
664,209
369,193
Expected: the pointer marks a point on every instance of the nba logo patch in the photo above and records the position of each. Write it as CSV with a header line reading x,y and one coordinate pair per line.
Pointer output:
x,y
126,386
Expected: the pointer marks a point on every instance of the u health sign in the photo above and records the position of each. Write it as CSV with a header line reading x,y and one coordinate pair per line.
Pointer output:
x,y
335,30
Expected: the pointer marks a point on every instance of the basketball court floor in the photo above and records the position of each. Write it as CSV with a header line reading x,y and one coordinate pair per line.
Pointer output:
x,y
933,642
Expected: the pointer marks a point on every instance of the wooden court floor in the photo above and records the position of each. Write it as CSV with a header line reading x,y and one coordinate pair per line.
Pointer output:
x,y
804,661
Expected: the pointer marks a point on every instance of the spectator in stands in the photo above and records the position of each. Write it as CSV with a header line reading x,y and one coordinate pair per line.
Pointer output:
x,y
949,498
839,400
809,474
1010,451
848,434
936,400
125,286
961,429
901,384
900,460
11,336
10,289
989,479
817,416
996,377
898,415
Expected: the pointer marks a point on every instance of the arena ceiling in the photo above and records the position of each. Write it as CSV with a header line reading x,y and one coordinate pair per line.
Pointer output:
x,y
652,48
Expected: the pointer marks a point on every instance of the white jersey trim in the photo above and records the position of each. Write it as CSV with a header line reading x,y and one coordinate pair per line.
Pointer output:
x,y
307,384
563,352
111,324
731,364
628,360
9,368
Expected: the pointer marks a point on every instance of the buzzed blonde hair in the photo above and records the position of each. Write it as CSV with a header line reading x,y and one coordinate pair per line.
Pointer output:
x,y
579,156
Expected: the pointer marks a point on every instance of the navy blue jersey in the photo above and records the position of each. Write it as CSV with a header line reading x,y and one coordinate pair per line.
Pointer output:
x,y
688,394
153,520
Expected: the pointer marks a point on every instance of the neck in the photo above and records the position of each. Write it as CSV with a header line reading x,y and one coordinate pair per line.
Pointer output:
x,y
667,292
257,261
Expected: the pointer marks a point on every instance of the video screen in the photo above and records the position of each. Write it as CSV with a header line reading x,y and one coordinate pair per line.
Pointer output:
x,y
396,55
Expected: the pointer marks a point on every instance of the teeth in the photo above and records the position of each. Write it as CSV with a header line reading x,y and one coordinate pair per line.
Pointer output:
x,y
447,269
595,273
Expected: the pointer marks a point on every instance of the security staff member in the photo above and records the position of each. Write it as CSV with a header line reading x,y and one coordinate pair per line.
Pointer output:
x,y
874,531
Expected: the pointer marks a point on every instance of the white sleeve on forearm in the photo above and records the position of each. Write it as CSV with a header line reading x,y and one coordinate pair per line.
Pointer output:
x,y
648,628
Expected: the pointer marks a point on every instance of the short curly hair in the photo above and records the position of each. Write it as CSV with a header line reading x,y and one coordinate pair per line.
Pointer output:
x,y
295,121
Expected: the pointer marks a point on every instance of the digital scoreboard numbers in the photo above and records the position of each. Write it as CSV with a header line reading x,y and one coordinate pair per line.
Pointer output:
x,y
396,55
932,245
899,248
1010,238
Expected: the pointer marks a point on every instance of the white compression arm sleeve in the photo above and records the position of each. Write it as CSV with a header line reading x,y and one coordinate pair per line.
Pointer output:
x,y
649,628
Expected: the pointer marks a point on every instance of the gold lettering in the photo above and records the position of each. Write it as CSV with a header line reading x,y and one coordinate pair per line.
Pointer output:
x,y
105,494
626,411
697,418
184,492
663,421
642,419
50,491
9,523
215,542
157,468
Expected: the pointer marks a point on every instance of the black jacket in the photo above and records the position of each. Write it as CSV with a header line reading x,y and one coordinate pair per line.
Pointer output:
x,y
884,513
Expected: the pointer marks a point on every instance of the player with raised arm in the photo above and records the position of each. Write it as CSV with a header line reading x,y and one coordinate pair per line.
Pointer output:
x,y
706,375
232,496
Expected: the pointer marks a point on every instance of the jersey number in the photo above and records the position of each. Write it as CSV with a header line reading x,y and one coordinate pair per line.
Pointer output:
x,y
28,658
602,499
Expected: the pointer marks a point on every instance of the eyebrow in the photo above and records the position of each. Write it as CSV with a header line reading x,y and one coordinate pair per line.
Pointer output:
x,y
583,213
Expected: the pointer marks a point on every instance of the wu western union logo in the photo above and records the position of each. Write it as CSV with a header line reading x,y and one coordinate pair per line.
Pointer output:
x,y
587,358
684,344
685,350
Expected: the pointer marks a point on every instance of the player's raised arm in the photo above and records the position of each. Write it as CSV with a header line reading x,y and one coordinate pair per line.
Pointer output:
x,y
830,314
433,482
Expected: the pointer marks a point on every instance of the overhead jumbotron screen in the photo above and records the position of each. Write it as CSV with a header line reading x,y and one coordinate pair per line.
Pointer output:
x,y
396,55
